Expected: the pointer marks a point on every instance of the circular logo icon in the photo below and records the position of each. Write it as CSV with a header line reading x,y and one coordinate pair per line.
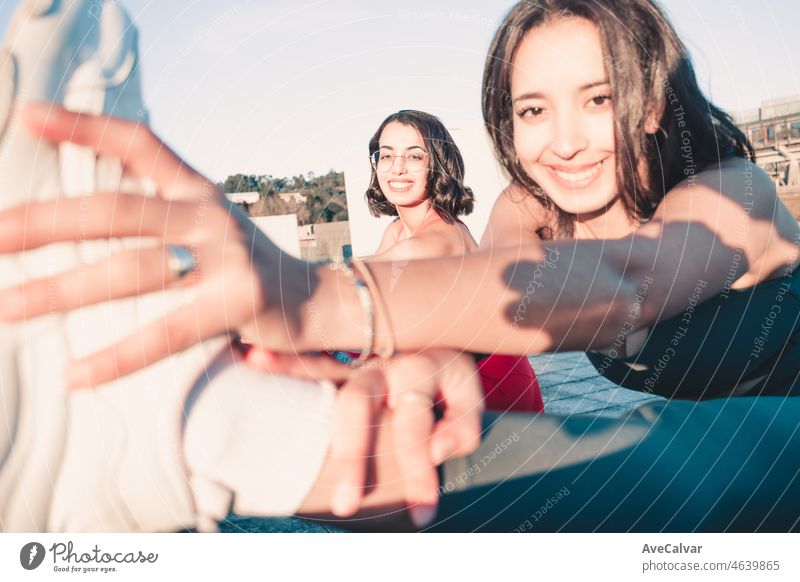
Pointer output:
x,y
31,555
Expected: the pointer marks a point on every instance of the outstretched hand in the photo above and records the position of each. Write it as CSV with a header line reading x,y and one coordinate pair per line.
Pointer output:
x,y
238,273
410,386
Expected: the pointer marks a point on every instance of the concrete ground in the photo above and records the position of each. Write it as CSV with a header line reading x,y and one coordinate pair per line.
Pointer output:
x,y
570,385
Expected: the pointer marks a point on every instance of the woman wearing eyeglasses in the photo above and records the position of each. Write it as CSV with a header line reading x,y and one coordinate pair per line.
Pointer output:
x,y
418,176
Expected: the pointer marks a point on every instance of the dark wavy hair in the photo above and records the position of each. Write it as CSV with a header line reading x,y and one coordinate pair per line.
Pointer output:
x,y
446,190
652,79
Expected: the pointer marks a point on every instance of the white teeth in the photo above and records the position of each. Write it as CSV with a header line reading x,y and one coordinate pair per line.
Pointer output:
x,y
575,177
400,185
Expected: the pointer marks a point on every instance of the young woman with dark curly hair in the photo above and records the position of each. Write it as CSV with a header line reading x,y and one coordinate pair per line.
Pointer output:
x,y
418,176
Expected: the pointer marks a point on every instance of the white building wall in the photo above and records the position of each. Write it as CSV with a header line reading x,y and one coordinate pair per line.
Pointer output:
x,y
243,197
282,230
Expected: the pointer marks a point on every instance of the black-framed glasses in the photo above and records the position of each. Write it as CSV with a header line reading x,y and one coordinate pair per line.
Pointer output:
x,y
415,160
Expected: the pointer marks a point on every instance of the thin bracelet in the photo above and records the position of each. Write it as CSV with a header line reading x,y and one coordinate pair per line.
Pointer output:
x,y
365,299
380,304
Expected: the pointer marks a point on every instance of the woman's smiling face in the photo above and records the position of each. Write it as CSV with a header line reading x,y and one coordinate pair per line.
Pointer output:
x,y
403,183
563,116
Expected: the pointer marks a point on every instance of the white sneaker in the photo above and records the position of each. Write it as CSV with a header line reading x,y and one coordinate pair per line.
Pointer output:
x,y
112,459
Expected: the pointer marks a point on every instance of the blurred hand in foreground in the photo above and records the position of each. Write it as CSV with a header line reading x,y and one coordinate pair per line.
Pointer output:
x,y
241,280
410,386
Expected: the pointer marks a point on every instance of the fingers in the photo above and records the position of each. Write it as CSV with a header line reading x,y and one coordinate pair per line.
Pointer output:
x,y
421,442
170,335
357,406
456,436
100,216
458,433
412,425
132,142
124,274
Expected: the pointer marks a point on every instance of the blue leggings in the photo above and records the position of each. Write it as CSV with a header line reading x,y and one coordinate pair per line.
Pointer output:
x,y
718,465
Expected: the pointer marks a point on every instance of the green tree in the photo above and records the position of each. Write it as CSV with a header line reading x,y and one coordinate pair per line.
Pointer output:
x,y
240,183
325,195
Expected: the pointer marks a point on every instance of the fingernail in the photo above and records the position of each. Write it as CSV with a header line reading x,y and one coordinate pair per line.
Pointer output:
x,y
77,376
35,112
36,108
344,500
13,304
422,515
442,449
255,357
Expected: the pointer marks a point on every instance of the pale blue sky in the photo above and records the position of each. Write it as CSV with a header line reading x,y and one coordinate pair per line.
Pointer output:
x,y
284,86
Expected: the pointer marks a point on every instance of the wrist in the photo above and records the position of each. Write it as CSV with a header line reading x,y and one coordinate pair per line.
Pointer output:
x,y
282,322
332,314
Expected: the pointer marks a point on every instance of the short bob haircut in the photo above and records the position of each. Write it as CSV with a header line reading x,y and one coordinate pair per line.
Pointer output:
x,y
652,80
445,187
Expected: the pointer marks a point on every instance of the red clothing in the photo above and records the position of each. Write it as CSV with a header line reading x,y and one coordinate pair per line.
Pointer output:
x,y
509,383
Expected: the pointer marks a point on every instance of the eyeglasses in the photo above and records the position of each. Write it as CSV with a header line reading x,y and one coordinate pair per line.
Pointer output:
x,y
415,160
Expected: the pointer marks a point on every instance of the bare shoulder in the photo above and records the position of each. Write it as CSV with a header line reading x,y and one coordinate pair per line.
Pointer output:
x,y
736,203
390,236
515,199
516,217
450,239
438,240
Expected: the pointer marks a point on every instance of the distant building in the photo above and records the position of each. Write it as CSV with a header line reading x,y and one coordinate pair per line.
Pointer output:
x,y
774,131
243,197
294,197
325,241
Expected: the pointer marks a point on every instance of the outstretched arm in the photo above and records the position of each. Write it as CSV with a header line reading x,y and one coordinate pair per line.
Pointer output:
x,y
531,298
711,232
